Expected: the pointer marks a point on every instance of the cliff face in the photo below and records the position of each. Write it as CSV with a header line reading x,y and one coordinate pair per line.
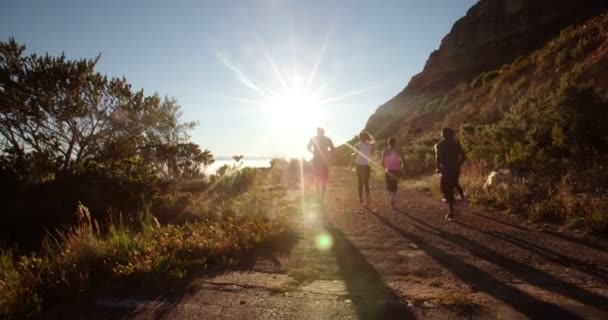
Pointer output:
x,y
493,33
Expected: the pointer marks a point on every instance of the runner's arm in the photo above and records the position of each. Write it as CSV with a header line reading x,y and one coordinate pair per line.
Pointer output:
x,y
310,146
438,159
383,157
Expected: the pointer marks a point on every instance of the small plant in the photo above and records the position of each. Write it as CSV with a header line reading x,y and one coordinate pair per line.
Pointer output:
x,y
461,302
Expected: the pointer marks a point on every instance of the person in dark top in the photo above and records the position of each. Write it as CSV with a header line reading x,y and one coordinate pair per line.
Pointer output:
x,y
322,149
449,158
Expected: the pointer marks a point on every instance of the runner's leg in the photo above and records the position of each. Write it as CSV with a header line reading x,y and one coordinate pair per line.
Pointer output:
x,y
325,177
360,182
366,174
459,188
447,188
396,177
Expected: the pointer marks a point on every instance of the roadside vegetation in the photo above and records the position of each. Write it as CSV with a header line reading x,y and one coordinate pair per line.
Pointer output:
x,y
545,114
100,183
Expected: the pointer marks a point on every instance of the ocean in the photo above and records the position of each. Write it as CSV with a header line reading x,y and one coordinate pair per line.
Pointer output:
x,y
252,162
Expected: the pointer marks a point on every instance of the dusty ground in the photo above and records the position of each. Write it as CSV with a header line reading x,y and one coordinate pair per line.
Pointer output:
x,y
347,262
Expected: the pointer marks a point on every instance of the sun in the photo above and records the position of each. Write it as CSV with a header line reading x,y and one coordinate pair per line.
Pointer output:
x,y
292,105
294,112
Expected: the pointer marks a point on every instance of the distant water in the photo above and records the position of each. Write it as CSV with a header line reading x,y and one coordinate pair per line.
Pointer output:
x,y
253,163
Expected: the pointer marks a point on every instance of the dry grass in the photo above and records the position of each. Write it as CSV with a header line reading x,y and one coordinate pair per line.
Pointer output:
x,y
577,201
283,288
81,257
463,303
304,275
428,184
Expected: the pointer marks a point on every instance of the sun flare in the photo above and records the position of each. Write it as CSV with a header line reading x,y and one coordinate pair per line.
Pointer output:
x,y
294,111
292,104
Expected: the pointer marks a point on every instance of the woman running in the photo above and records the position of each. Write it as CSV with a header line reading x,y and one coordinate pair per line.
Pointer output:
x,y
392,160
365,153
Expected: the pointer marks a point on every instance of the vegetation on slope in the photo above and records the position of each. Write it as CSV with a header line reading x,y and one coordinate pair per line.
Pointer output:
x,y
545,113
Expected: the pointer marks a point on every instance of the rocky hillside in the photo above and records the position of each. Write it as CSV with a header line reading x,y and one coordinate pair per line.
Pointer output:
x,y
498,44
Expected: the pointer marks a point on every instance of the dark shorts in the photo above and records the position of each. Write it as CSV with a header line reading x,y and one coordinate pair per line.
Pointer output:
x,y
449,181
320,171
392,180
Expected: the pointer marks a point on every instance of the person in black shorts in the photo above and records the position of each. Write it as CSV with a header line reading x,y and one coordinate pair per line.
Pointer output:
x,y
392,161
322,149
449,158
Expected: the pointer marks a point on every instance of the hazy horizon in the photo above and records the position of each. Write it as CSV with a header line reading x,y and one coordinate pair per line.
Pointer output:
x,y
226,62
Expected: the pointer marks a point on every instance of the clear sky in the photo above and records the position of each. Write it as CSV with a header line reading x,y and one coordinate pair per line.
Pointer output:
x,y
242,68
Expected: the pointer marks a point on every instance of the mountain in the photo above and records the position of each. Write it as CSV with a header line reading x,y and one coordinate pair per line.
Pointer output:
x,y
489,50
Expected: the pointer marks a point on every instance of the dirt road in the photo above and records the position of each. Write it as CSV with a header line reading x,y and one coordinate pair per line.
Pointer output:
x,y
346,262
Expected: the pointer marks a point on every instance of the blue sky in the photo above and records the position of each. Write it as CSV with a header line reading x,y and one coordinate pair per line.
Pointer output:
x,y
227,61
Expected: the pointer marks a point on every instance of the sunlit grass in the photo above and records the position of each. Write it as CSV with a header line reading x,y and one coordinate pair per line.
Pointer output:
x,y
80,258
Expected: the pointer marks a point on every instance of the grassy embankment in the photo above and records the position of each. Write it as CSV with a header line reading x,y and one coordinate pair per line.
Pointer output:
x,y
212,226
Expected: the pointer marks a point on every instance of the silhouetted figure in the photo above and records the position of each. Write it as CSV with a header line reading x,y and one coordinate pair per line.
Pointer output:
x,y
392,160
460,192
322,149
449,158
365,153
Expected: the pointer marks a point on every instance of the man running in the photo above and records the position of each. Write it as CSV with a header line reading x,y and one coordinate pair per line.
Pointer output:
x,y
322,149
449,158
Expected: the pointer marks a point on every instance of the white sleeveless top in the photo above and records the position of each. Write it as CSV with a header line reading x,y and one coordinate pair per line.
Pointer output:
x,y
364,153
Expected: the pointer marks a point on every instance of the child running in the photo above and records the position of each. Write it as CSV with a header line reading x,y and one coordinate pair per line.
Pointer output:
x,y
392,160
365,153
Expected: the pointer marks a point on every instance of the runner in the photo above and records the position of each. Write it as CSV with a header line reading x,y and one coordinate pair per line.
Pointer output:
x,y
365,153
460,191
322,149
392,160
449,158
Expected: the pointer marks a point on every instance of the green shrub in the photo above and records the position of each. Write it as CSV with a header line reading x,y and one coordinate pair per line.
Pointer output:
x,y
81,257
546,134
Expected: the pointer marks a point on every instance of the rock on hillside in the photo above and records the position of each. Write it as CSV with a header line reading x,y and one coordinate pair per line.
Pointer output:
x,y
493,33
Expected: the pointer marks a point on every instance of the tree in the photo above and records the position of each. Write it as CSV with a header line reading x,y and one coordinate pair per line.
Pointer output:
x,y
179,161
59,115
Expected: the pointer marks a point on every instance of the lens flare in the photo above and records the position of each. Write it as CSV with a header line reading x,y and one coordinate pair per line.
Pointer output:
x,y
324,241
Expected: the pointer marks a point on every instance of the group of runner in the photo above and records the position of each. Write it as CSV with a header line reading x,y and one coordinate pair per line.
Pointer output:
x,y
449,157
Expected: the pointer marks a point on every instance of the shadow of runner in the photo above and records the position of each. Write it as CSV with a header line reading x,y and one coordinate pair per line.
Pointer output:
x,y
521,270
596,245
519,300
372,298
488,217
548,254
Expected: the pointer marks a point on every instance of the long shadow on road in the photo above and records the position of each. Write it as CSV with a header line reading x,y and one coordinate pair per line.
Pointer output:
x,y
372,298
597,244
520,270
546,253
519,300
